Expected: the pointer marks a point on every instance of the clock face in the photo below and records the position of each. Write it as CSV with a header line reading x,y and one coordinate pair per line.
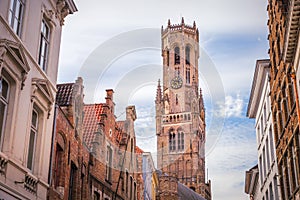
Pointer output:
x,y
176,82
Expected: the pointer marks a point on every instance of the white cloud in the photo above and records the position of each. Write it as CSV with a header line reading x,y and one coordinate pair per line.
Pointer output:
x,y
232,107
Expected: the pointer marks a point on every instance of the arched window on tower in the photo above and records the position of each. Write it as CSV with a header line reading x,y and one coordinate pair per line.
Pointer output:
x,y
177,55
187,55
188,75
168,58
172,140
180,140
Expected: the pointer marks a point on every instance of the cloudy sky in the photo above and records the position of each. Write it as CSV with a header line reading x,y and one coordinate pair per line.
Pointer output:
x,y
116,44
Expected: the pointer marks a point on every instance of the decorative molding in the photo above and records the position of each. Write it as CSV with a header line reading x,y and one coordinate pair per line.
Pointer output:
x,y
42,87
30,183
62,10
16,51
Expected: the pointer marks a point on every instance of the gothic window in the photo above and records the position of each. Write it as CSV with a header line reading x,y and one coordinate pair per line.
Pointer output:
x,y
16,15
177,56
188,76
32,138
131,185
168,58
44,45
187,55
134,191
172,140
127,183
180,140
108,163
4,94
176,99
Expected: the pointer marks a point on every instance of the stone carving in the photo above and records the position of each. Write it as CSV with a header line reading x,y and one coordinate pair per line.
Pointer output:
x,y
62,10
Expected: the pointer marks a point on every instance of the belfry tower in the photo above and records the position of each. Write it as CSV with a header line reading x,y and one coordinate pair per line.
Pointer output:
x,y
180,112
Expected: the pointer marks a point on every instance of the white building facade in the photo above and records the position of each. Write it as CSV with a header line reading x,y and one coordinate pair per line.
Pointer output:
x,y
30,35
260,108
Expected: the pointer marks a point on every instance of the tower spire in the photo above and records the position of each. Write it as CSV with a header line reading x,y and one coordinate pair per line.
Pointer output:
x,y
158,93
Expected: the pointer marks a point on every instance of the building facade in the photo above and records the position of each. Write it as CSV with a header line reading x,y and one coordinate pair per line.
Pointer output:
x,y
114,172
30,34
69,158
259,108
283,37
252,183
180,113
149,177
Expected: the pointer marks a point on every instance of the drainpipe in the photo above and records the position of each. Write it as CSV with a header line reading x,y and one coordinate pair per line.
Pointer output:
x,y
52,145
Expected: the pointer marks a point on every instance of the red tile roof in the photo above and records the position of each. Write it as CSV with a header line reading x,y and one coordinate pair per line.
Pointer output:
x,y
92,116
138,150
64,94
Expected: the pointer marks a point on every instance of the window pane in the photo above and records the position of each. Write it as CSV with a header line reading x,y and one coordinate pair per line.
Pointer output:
x,y
2,117
31,149
34,119
15,15
5,87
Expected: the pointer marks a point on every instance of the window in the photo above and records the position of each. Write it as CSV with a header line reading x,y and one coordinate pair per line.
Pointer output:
x,y
168,58
258,134
44,45
96,195
188,76
127,176
177,55
172,140
108,163
294,168
267,154
265,114
187,55
4,94
72,187
32,138
261,170
275,186
58,170
131,184
16,15
271,192
180,138
134,191
271,144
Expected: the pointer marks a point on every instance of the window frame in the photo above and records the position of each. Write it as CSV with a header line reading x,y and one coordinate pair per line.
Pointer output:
x,y
5,101
34,129
44,50
13,19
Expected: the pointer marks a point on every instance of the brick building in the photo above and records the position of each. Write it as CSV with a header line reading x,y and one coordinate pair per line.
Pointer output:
x,y
114,172
180,112
30,35
283,37
70,158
